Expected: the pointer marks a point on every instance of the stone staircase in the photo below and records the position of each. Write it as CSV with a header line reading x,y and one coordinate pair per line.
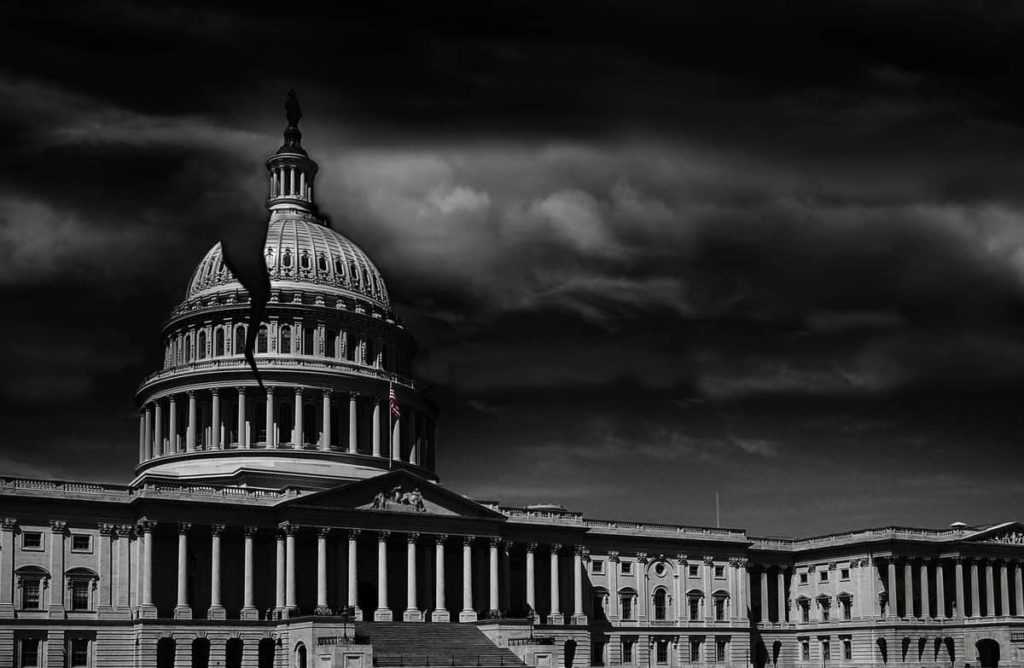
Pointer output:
x,y
414,644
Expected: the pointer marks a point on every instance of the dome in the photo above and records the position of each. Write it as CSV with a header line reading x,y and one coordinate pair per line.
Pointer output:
x,y
299,249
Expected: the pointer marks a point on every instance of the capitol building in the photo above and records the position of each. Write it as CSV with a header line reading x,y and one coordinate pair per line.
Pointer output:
x,y
293,517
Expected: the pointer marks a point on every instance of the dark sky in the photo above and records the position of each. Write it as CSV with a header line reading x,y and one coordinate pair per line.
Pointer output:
x,y
773,249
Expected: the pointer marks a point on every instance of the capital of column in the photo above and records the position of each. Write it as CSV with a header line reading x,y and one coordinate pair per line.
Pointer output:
x,y
58,526
493,541
216,529
613,556
412,537
641,557
323,531
129,530
709,559
288,528
681,558
468,540
327,393
298,391
214,391
555,548
184,527
106,528
531,547
741,562
251,531
8,524
383,536
144,525
440,538
352,534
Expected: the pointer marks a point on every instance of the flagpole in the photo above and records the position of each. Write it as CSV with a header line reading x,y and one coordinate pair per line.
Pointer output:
x,y
391,429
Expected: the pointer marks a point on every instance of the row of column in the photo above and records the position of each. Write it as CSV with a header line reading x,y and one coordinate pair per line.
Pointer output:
x,y
153,443
961,587
285,570
288,181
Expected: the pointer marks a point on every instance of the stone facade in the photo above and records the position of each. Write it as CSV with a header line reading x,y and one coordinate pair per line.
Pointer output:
x,y
272,514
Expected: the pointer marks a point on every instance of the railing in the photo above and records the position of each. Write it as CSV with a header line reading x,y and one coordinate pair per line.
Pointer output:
x,y
147,488
447,660
884,533
539,640
63,486
264,361
567,517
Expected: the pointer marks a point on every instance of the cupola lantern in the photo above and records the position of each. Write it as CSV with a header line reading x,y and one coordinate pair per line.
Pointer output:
x,y
290,170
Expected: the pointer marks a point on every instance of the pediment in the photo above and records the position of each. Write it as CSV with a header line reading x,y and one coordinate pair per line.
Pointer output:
x,y
397,492
1008,533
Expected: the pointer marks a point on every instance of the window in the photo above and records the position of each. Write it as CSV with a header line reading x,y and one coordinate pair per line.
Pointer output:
x,y
660,604
286,340
597,653
719,571
845,604
80,594
304,260
239,340
694,608
805,649
661,650
627,650
626,567
307,341
29,652
847,649
32,540
721,648
78,652
803,578
321,263
597,566
695,649
823,576
81,542
660,569
188,348
844,574
218,342
805,610
330,343
826,650
626,599
30,594
286,259
261,339
694,570
201,345
720,608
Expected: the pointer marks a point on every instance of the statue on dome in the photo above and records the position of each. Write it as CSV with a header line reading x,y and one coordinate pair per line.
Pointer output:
x,y
292,109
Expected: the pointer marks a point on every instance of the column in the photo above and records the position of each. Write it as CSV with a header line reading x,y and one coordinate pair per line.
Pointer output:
x,y
271,425
382,613
925,612
975,590
413,442
182,609
396,437
58,529
297,436
142,436
158,430
7,528
781,584
940,590
1004,589
147,440
742,589
248,599
908,589
353,430
216,606
190,433
279,573
440,613
104,563
577,587
147,607
958,583
531,583
764,594
172,425
325,429
412,610
893,605
555,616
290,601
243,433
215,419
990,590
375,427
1018,587
353,581
321,571
468,614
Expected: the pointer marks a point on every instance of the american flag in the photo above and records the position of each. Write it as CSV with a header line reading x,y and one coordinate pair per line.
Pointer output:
x,y
393,401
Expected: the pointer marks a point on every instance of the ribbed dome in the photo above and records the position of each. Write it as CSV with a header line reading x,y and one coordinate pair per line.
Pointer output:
x,y
299,249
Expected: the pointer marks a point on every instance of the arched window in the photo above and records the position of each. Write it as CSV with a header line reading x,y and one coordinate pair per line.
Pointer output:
x,y
321,263
353,275
330,343
369,353
300,656
239,340
201,345
339,267
188,348
267,650
804,604
825,604
693,598
80,583
660,604
846,605
286,259
31,581
165,651
720,599
233,653
218,342
201,653
286,340
304,260
600,598
626,599
261,339
307,341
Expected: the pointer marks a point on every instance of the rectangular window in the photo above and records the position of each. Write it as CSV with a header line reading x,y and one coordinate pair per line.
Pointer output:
x,y
720,609
847,608
803,578
597,566
81,542
844,574
805,612
627,607
30,594
695,650
694,608
29,653
826,650
721,646
822,576
80,594
694,570
824,612
627,650
32,540
626,567
719,571
597,653
805,649
79,653
847,649
661,650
